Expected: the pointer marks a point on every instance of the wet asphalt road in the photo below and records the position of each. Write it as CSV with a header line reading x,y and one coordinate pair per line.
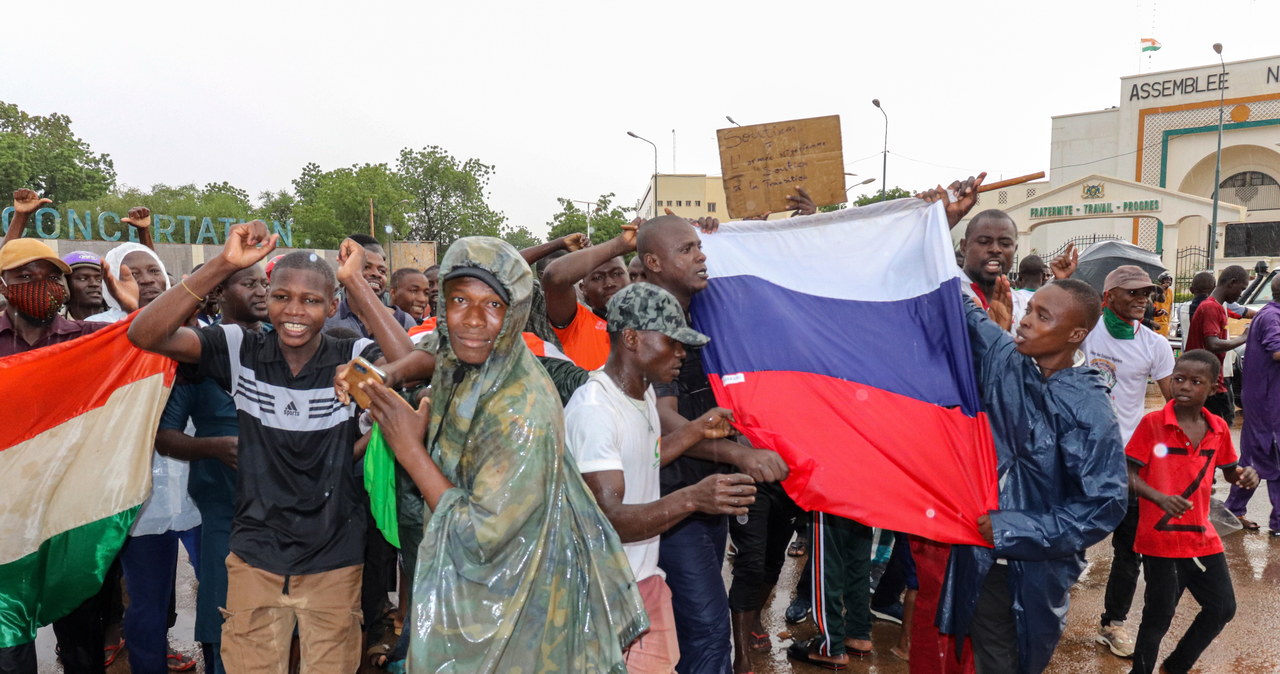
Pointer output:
x,y
1250,644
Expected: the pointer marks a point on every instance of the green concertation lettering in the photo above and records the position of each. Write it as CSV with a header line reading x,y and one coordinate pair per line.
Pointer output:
x,y
72,225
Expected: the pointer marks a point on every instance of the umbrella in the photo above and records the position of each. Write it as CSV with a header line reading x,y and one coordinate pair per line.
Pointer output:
x,y
1103,257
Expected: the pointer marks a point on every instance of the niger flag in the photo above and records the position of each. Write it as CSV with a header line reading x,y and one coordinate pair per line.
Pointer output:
x,y
77,429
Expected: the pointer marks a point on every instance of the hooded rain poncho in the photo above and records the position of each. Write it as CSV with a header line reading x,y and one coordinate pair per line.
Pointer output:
x,y
518,570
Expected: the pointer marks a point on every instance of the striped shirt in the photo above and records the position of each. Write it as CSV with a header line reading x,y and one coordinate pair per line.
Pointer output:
x,y
298,510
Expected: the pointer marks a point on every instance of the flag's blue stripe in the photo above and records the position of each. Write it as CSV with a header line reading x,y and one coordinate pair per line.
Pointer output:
x,y
917,347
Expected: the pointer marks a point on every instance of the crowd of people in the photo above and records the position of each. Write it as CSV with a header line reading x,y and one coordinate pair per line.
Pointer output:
x,y
567,486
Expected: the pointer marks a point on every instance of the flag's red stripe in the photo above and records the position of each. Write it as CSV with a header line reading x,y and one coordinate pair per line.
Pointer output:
x,y
880,458
45,387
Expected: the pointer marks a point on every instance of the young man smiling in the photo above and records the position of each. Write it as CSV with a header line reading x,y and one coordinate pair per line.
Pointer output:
x,y
200,402
297,537
518,569
1127,354
409,292
374,273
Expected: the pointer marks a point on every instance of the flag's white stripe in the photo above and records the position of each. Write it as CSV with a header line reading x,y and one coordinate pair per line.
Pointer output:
x,y
884,252
87,468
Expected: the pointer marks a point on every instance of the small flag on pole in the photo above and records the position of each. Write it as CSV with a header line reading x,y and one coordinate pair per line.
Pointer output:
x,y
1150,44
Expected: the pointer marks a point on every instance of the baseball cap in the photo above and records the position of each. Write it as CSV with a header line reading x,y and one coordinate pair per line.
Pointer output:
x,y
1129,277
644,306
271,264
82,258
19,252
482,274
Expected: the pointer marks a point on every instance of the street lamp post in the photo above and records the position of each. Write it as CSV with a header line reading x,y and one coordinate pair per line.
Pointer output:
x,y
655,170
390,230
588,212
1217,164
868,181
884,166
731,120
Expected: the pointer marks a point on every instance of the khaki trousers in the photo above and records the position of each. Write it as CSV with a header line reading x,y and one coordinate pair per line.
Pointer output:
x,y
263,607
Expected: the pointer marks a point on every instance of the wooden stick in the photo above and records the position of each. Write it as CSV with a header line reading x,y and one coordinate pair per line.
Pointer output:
x,y
1011,182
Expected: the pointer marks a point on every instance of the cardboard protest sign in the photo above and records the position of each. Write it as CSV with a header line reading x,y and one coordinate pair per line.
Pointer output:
x,y
763,163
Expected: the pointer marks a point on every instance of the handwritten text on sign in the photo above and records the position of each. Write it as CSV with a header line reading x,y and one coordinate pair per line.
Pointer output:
x,y
764,163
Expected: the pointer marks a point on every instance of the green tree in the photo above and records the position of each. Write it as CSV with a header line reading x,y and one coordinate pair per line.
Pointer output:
x,y
520,237
894,193
41,153
606,219
448,197
334,204
277,206
213,191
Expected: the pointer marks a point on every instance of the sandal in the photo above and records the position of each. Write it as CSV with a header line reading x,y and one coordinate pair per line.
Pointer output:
x,y
802,653
179,662
1249,525
110,653
759,642
798,548
376,656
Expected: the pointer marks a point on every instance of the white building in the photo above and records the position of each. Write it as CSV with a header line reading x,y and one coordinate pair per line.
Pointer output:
x,y
1143,171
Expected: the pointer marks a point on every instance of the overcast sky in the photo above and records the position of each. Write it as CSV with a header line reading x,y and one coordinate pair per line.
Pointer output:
x,y
545,92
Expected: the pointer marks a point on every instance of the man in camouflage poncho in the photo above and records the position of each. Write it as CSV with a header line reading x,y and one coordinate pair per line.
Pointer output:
x,y
518,570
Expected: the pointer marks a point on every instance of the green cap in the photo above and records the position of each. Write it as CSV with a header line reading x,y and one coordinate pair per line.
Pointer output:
x,y
644,306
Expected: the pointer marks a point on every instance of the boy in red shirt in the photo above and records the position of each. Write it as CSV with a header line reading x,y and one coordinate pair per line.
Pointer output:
x,y
1171,459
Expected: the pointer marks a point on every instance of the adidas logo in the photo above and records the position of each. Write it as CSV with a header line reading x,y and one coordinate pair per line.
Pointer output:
x,y
290,410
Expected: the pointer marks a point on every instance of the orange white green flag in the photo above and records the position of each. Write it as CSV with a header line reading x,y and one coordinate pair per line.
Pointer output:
x,y
76,437
1150,44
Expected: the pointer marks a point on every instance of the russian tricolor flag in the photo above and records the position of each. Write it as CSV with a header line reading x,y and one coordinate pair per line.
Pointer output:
x,y
839,341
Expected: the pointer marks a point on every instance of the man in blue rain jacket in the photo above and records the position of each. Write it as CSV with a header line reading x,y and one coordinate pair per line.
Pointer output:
x,y
1061,472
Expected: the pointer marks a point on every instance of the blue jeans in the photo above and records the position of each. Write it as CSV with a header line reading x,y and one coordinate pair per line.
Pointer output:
x,y
150,566
692,553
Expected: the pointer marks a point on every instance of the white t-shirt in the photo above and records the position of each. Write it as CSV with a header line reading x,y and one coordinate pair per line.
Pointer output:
x,y
1126,365
607,430
1021,297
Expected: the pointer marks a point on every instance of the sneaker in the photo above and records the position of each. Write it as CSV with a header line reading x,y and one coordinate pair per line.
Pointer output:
x,y
798,610
1116,638
891,613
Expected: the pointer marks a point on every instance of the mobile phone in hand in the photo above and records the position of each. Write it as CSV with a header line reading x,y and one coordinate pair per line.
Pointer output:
x,y
362,370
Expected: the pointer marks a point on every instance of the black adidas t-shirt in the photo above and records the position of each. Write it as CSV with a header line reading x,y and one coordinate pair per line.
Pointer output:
x,y
297,507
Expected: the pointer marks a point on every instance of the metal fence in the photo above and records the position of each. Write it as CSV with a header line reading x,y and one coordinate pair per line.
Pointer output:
x,y
1190,260
1082,242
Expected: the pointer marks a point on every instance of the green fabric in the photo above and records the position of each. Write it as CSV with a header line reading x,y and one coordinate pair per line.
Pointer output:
x,y
518,570
1118,327
380,483
44,586
565,375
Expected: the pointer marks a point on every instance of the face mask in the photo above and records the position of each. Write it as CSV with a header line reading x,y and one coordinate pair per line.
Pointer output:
x,y
37,301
